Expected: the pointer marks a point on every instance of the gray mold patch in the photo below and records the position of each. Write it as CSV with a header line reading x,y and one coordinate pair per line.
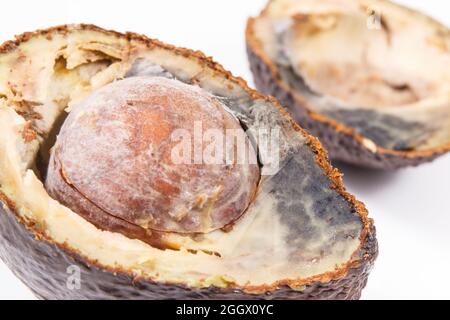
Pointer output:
x,y
320,221
385,130
144,68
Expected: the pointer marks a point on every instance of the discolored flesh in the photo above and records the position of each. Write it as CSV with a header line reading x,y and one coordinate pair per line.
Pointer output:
x,y
380,80
387,131
302,236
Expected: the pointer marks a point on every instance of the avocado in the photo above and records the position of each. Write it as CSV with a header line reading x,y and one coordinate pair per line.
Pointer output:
x,y
287,228
368,78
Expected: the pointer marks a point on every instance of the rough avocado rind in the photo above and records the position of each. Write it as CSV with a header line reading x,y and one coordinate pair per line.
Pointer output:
x,y
41,262
343,141
43,266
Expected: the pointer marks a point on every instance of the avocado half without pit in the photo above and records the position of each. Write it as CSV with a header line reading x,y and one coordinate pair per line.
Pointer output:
x,y
371,79
96,183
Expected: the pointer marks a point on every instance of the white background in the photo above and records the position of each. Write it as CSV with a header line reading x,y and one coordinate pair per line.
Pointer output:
x,y
411,207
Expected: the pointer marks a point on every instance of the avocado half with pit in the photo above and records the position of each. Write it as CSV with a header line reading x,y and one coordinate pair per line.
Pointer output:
x,y
370,79
95,206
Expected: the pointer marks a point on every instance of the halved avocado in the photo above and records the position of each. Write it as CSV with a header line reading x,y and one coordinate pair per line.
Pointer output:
x,y
302,237
369,78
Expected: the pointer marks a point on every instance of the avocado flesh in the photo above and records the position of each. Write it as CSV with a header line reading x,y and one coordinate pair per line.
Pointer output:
x,y
389,82
298,227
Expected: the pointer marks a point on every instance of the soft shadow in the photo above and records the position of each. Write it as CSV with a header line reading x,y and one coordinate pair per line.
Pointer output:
x,y
364,179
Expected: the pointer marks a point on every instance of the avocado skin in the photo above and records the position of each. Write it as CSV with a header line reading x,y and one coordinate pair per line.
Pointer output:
x,y
42,266
340,146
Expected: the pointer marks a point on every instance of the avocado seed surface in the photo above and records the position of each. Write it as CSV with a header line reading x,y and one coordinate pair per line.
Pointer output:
x,y
144,155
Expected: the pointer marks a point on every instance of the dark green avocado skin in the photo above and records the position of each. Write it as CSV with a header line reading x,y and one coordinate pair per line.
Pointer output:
x,y
340,146
42,266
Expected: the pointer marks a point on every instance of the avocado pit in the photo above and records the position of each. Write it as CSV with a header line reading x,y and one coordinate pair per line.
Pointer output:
x,y
115,161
